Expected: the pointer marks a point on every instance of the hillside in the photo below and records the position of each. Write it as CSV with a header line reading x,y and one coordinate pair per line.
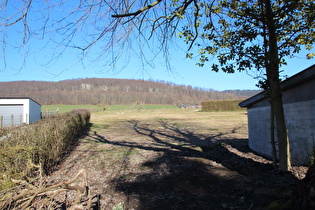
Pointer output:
x,y
113,91
242,93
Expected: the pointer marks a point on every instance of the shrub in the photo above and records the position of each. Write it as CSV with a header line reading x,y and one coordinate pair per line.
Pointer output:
x,y
44,142
4,131
221,105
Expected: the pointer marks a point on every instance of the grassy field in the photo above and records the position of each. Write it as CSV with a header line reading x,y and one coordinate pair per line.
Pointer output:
x,y
189,118
67,108
153,157
170,159
205,122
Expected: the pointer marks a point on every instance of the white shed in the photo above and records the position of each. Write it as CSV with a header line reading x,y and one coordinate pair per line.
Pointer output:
x,y
18,110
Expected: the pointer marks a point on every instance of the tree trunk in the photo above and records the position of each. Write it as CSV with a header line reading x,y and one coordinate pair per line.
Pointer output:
x,y
284,150
272,134
272,71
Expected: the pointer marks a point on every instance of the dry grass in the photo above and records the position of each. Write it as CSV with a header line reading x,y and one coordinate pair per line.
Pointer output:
x,y
200,122
171,159
124,147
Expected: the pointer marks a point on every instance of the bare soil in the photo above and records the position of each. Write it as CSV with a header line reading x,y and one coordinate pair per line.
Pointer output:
x,y
182,160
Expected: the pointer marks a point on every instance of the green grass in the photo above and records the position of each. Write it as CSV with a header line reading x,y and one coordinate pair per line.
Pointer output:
x,y
139,107
68,108
65,108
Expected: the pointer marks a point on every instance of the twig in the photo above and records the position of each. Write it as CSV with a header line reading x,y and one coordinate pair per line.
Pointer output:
x,y
25,197
137,12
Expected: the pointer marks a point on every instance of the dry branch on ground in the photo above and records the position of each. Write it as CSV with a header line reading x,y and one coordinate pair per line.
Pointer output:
x,y
31,194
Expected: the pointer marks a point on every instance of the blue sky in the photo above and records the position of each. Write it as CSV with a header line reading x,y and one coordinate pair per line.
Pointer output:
x,y
184,71
34,62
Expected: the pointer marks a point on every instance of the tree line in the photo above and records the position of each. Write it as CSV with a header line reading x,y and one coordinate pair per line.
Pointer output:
x,y
114,91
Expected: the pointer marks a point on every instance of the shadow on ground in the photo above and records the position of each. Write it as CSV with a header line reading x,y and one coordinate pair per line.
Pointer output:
x,y
195,171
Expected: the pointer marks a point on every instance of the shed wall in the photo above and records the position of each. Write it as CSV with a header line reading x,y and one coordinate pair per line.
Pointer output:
x,y
11,114
23,102
299,108
35,111
300,121
31,109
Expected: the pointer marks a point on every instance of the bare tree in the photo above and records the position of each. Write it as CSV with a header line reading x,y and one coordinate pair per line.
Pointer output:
x,y
94,30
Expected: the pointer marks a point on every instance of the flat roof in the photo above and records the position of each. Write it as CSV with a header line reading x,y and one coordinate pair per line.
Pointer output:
x,y
19,97
293,81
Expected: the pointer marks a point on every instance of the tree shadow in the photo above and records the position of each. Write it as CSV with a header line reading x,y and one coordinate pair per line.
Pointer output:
x,y
197,171
180,183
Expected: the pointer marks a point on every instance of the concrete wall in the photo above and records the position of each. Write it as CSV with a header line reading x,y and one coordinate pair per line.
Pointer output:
x,y
299,107
259,130
300,121
301,129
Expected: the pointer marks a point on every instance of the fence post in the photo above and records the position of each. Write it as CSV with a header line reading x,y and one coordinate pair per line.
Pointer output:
x,y
1,118
12,120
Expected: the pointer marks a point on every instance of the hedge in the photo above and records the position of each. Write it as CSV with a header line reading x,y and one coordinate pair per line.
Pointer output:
x,y
44,142
221,105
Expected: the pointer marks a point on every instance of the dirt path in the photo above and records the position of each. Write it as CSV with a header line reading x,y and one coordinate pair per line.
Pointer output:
x,y
172,162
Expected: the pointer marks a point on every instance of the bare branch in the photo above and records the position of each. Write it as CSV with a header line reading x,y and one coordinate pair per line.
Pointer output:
x,y
195,25
23,16
28,192
139,11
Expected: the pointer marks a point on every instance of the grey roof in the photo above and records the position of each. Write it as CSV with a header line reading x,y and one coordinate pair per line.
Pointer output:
x,y
20,97
297,79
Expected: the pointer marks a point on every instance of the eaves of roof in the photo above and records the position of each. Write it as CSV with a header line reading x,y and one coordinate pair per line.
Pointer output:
x,y
295,80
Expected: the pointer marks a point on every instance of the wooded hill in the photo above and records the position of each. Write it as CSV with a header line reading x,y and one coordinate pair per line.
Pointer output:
x,y
114,91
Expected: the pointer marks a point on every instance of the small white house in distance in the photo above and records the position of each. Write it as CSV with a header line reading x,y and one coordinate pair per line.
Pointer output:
x,y
18,110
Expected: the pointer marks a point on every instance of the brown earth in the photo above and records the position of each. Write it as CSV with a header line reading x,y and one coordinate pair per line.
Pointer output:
x,y
162,160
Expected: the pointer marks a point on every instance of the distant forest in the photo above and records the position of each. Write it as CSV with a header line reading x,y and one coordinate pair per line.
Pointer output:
x,y
115,91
